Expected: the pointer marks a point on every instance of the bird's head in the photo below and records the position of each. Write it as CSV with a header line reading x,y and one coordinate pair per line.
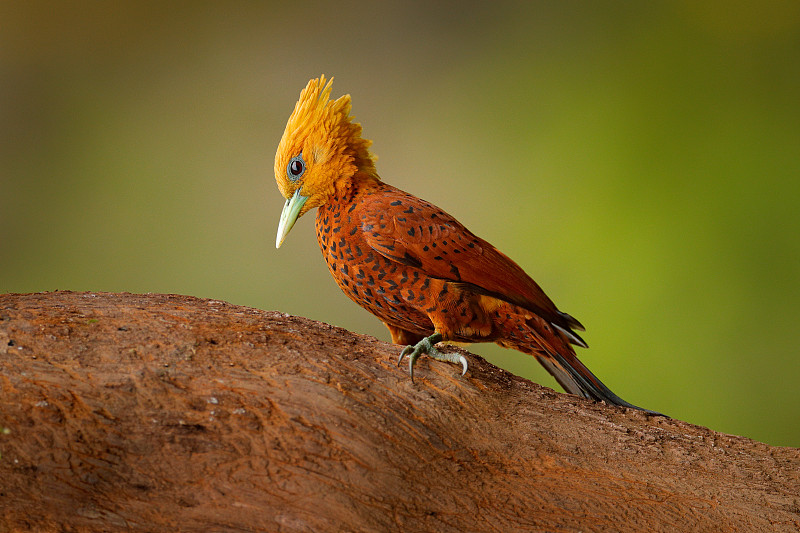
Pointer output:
x,y
320,151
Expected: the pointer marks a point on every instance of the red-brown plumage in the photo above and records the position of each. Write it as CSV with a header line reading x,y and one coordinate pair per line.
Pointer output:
x,y
421,264
420,271
416,268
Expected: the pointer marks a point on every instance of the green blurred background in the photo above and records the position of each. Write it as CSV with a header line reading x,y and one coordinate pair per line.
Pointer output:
x,y
641,160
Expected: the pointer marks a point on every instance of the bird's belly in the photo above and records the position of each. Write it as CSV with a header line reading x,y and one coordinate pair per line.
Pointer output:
x,y
386,289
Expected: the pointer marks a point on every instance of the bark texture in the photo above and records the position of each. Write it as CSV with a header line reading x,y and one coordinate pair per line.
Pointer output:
x,y
172,413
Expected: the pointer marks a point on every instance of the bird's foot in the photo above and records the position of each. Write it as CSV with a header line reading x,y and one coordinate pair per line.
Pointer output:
x,y
425,346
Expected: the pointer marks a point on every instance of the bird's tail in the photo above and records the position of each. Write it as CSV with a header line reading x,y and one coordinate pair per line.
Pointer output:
x,y
577,379
551,347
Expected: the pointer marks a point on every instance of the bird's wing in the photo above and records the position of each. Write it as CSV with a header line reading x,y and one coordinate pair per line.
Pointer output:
x,y
406,229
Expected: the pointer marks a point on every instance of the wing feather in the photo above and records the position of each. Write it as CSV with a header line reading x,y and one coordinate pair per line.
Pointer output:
x,y
411,231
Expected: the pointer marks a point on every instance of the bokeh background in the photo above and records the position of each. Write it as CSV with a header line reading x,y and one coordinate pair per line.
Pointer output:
x,y
640,159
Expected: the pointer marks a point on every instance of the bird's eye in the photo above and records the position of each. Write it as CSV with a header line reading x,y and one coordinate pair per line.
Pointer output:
x,y
295,168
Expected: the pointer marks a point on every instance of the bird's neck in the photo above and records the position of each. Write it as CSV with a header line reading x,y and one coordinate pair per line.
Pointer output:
x,y
346,189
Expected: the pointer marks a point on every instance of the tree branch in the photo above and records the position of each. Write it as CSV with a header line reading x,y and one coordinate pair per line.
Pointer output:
x,y
162,412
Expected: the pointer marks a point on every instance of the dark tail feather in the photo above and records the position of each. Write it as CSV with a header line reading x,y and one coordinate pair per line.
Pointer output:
x,y
579,380
550,343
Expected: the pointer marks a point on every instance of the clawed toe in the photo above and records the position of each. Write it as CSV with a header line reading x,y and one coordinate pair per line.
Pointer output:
x,y
405,351
425,346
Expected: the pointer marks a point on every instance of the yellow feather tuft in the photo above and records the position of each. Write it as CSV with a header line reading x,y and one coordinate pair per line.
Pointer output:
x,y
323,132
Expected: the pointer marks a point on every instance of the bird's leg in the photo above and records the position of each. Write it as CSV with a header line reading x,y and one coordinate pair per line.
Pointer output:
x,y
425,346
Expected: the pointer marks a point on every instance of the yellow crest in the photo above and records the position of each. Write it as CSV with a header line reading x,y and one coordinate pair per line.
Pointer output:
x,y
320,135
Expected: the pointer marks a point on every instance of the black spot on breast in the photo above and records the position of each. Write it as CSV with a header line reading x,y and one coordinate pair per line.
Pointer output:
x,y
396,202
411,232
